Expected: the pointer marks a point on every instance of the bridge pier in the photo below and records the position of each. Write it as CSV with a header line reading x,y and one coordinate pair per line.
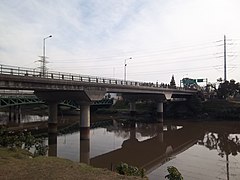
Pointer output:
x,y
15,115
19,114
160,112
52,119
85,121
10,114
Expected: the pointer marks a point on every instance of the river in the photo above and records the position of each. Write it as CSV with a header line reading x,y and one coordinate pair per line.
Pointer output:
x,y
199,150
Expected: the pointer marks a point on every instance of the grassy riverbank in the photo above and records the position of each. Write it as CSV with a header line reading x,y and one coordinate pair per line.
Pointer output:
x,y
19,164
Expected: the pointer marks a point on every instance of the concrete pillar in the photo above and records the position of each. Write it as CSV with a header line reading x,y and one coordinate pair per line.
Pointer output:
x,y
85,151
15,114
52,119
19,114
52,144
10,114
52,128
85,121
160,112
132,108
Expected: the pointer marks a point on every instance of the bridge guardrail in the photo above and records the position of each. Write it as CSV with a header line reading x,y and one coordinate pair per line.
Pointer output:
x,y
20,71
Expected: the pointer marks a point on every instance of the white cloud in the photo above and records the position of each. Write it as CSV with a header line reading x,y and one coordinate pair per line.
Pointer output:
x,y
94,37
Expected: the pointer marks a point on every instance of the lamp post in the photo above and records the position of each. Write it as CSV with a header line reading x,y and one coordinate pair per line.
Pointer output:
x,y
125,69
44,55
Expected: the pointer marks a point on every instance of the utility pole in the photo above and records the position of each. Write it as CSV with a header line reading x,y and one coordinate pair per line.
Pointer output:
x,y
225,60
43,57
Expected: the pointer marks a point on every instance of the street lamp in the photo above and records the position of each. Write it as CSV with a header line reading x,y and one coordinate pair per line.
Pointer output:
x,y
125,69
44,55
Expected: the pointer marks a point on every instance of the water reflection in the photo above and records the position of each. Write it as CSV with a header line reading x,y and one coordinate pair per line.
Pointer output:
x,y
224,143
85,151
150,153
52,144
155,146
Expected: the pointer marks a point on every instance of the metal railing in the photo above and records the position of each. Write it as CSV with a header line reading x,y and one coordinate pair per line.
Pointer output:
x,y
28,72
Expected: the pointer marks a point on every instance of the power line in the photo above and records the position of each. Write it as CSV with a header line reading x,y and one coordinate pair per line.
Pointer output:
x,y
149,53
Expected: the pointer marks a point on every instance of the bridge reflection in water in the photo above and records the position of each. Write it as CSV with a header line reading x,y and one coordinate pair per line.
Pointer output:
x,y
199,150
163,143
153,152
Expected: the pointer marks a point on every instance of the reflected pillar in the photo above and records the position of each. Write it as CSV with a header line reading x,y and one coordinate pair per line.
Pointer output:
x,y
85,151
52,128
85,121
52,144
133,130
160,112
132,108
160,131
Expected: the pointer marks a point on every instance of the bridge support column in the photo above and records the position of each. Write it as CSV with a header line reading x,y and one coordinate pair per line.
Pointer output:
x,y
85,121
15,114
160,112
10,114
132,108
52,119
52,128
85,151
19,114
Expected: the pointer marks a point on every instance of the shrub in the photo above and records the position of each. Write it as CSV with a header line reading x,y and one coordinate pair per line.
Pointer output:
x,y
174,174
125,169
22,140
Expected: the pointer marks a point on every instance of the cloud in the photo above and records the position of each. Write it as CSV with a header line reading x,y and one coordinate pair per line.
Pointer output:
x,y
95,37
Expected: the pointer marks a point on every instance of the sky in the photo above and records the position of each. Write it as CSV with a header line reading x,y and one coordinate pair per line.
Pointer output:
x,y
156,38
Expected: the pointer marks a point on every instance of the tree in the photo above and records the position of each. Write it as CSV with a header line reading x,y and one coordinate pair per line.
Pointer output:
x,y
228,88
172,82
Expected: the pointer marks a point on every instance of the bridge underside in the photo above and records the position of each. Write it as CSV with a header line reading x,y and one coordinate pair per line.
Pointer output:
x,y
144,96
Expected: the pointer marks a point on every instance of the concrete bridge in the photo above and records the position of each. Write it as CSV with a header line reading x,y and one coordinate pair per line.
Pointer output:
x,y
54,87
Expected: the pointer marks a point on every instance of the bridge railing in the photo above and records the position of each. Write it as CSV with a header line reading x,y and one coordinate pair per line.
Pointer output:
x,y
28,72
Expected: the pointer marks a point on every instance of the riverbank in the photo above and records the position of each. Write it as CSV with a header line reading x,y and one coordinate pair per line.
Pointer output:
x,y
20,164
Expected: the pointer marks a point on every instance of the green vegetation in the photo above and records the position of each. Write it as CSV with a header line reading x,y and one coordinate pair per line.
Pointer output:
x,y
120,104
125,169
174,174
22,140
222,109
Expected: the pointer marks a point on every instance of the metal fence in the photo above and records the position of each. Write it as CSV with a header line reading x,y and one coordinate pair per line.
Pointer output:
x,y
20,71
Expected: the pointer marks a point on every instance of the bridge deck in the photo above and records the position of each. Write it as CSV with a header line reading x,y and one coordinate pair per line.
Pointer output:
x,y
12,77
